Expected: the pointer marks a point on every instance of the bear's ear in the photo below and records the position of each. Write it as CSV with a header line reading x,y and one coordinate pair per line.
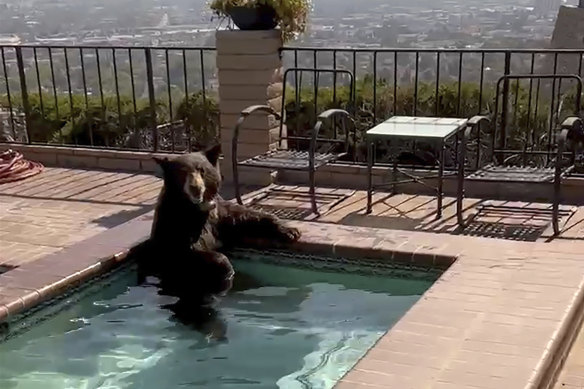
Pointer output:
x,y
161,161
213,153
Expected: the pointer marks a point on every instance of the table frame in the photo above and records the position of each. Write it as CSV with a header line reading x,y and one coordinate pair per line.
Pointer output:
x,y
371,143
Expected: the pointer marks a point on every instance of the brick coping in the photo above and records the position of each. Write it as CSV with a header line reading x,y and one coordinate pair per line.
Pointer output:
x,y
29,284
501,315
32,283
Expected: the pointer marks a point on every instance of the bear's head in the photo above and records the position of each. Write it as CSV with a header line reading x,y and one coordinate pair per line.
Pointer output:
x,y
193,177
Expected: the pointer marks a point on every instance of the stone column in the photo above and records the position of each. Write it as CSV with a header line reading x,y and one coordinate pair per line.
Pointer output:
x,y
250,73
568,34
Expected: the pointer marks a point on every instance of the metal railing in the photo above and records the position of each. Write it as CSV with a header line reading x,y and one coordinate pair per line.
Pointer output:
x,y
441,82
165,98
115,97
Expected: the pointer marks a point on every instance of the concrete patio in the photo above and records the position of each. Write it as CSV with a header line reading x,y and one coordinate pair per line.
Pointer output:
x,y
61,207
507,220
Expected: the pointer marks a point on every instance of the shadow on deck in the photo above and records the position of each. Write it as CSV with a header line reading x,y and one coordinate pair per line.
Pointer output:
x,y
511,220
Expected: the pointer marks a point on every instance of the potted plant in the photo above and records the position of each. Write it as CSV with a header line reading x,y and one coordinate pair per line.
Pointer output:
x,y
289,15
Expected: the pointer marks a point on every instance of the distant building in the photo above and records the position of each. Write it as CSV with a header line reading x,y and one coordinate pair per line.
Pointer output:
x,y
569,29
568,34
9,40
546,7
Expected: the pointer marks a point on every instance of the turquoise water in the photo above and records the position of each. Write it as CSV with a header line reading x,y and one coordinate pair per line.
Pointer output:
x,y
281,326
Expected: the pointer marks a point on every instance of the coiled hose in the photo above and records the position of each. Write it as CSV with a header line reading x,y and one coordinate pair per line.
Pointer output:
x,y
13,167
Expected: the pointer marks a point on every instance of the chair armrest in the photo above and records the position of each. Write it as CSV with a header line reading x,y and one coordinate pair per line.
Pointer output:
x,y
260,108
245,114
329,113
472,124
574,126
571,122
242,118
475,120
561,140
322,118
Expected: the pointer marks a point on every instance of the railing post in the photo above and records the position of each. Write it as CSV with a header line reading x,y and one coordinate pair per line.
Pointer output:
x,y
375,88
151,97
24,91
505,107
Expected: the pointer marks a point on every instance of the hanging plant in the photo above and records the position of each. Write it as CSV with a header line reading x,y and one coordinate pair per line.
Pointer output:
x,y
290,16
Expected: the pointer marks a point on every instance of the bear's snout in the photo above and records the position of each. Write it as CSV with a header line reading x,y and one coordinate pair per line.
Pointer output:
x,y
196,190
195,187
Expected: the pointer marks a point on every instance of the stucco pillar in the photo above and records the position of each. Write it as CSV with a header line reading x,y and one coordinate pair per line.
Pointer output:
x,y
250,73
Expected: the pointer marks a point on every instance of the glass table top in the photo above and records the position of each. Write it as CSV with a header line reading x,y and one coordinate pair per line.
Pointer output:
x,y
417,127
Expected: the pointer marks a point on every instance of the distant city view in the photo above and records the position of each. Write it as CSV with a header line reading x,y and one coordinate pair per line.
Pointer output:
x,y
106,67
368,23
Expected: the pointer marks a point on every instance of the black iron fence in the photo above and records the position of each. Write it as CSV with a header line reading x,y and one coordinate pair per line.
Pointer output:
x,y
165,99
116,97
439,82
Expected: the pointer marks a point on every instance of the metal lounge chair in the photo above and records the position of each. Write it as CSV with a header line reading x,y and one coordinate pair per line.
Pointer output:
x,y
509,165
313,155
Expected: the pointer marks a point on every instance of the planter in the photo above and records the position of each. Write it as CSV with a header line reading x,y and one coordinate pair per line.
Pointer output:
x,y
260,17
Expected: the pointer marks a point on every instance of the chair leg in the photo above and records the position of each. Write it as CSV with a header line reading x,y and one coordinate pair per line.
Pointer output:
x,y
562,139
394,176
440,191
369,177
459,204
461,171
556,206
236,184
312,178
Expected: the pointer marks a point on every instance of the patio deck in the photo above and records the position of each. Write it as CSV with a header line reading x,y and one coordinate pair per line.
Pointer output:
x,y
60,207
492,321
509,220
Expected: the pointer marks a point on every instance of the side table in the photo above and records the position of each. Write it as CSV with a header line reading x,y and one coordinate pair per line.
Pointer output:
x,y
399,128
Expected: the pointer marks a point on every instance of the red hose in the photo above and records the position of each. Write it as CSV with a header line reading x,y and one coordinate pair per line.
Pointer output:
x,y
13,167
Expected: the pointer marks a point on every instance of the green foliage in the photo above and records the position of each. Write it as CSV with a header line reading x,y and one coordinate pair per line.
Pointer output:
x,y
525,128
201,116
119,123
112,123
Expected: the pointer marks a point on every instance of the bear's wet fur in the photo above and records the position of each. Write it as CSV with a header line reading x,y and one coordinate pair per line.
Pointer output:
x,y
192,222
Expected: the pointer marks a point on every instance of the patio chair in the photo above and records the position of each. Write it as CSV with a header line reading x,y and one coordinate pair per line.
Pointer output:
x,y
547,159
300,152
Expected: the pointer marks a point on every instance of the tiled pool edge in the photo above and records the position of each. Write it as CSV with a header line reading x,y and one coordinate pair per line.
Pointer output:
x,y
420,371
96,255
566,337
31,284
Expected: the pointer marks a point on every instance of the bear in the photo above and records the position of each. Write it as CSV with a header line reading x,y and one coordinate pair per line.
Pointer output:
x,y
192,222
